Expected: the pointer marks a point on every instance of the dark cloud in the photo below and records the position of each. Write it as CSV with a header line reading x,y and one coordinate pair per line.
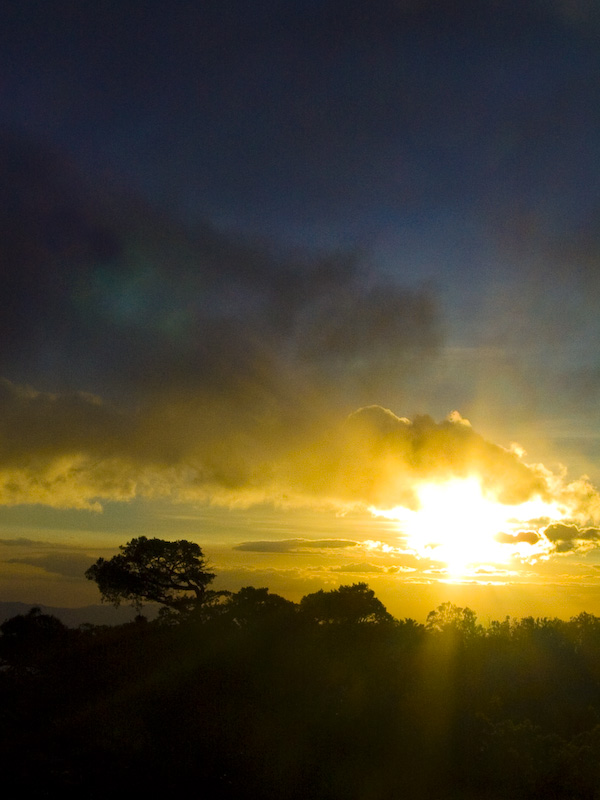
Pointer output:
x,y
558,532
566,538
133,344
293,545
527,537
47,424
103,292
63,450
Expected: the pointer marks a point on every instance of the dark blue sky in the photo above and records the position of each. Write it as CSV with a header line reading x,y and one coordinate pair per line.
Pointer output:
x,y
331,119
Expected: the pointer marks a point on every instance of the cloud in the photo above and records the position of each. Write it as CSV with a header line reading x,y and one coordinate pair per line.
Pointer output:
x,y
367,568
22,542
137,304
76,450
396,568
568,538
363,567
69,565
383,457
142,358
525,537
294,545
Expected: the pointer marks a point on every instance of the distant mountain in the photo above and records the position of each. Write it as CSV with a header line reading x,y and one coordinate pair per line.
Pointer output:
x,y
73,617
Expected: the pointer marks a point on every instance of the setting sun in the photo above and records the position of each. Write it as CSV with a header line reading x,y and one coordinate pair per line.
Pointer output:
x,y
458,524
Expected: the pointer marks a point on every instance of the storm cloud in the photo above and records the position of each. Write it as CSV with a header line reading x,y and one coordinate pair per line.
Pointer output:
x,y
144,356
141,356
104,293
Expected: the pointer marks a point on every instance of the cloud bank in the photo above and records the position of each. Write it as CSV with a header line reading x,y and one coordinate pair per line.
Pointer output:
x,y
75,451
140,356
143,358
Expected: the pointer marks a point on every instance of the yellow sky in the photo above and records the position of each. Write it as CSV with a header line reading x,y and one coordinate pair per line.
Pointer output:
x,y
423,511
292,552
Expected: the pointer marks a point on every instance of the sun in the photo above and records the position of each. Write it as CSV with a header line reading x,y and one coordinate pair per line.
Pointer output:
x,y
457,523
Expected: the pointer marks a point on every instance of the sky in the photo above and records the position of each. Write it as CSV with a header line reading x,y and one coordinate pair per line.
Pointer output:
x,y
313,284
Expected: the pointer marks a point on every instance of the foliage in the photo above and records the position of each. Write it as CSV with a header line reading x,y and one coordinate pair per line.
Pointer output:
x,y
27,638
173,574
273,703
33,624
259,697
346,605
251,606
452,619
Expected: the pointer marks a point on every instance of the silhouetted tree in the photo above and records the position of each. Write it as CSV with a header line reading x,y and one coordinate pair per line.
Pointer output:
x,y
584,630
173,574
27,638
348,604
251,605
449,618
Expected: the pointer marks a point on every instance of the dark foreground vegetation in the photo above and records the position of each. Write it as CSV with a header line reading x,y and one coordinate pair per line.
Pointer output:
x,y
248,695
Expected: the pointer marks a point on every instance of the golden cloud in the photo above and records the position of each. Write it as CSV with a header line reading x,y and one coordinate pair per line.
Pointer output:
x,y
75,451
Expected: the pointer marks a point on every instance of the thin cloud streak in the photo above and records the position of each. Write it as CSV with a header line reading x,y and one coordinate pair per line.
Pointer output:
x,y
294,545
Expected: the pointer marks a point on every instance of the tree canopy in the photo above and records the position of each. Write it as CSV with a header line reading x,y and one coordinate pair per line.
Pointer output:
x,y
27,638
449,618
173,574
348,604
342,699
250,606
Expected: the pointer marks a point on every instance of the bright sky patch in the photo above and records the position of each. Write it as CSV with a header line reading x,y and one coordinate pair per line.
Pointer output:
x,y
460,525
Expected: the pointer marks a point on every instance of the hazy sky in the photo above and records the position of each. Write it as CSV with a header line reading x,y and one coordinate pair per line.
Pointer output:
x,y
270,268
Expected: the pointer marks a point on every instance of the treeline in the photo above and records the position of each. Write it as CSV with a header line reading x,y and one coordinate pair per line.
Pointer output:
x,y
249,695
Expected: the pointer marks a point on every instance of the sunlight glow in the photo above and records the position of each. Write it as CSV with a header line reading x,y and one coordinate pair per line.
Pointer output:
x,y
457,524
